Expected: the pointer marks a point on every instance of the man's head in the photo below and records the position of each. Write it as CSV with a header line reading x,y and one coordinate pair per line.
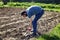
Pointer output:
x,y
24,13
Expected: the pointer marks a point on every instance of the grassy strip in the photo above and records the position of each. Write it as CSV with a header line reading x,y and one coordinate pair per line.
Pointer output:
x,y
53,35
49,7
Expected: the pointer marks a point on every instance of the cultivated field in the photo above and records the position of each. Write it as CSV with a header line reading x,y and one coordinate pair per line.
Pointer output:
x,y
13,26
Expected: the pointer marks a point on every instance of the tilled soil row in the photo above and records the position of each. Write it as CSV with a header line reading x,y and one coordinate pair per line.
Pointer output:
x,y
14,27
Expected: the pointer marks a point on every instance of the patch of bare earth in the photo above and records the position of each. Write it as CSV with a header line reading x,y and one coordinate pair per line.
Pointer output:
x,y
13,26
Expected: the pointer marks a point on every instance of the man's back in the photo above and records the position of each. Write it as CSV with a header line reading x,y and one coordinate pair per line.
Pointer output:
x,y
33,10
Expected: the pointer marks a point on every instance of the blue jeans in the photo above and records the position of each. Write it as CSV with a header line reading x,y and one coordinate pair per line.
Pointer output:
x,y
34,22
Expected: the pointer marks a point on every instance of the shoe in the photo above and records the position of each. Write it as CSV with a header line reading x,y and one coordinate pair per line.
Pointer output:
x,y
34,35
38,33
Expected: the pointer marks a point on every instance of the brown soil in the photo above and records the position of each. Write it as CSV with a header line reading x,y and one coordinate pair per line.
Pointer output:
x,y
13,26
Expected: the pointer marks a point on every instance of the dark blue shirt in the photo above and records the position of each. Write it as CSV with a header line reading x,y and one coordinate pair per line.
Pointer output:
x,y
33,10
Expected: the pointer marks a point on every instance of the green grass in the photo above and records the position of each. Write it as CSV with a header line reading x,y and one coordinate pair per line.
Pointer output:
x,y
53,35
49,7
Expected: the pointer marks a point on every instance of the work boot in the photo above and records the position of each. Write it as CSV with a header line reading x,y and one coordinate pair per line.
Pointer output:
x,y
35,35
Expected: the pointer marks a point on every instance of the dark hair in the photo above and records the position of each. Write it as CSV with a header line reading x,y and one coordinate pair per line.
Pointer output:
x,y
23,13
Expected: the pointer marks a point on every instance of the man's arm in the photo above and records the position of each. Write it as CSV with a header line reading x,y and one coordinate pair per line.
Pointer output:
x,y
30,19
